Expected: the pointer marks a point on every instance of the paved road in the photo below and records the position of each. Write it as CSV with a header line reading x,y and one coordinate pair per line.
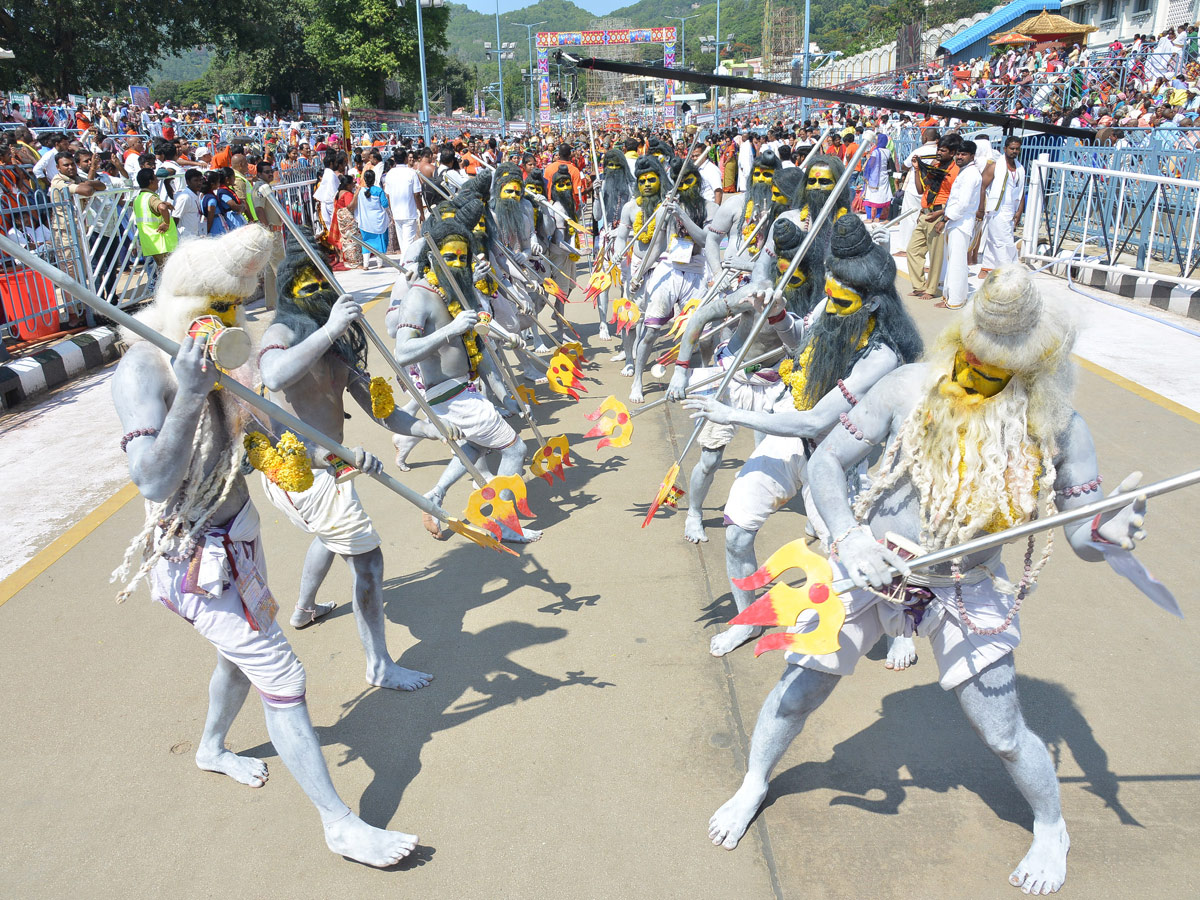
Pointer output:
x,y
577,735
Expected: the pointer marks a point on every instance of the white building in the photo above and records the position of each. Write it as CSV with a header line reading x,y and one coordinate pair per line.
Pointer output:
x,y
1125,18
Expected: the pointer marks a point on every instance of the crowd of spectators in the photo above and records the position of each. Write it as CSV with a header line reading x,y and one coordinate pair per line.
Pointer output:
x,y
1147,82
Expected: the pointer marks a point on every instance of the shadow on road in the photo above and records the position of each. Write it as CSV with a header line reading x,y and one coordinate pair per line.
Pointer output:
x,y
950,755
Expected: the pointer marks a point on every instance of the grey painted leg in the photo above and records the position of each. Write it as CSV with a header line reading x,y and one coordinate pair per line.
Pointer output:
x,y
740,561
382,671
783,714
994,711
292,734
227,692
699,482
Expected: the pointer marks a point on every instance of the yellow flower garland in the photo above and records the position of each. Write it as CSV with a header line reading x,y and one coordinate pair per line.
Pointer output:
x,y
794,373
286,463
470,339
383,401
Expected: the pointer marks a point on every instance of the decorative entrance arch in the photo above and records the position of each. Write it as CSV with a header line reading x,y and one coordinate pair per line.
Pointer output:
x,y
546,40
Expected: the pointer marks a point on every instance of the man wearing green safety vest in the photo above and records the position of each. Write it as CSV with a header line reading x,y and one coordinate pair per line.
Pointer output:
x,y
156,228
242,186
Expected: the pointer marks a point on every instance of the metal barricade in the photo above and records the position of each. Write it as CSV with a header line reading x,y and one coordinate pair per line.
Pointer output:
x,y
33,308
1131,219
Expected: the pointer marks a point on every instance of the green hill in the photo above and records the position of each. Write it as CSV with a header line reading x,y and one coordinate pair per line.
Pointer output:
x,y
184,66
468,30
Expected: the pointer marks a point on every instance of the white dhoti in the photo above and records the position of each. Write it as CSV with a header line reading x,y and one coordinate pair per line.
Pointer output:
x,y
668,288
479,421
998,246
330,511
204,590
756,392
954,273
960,653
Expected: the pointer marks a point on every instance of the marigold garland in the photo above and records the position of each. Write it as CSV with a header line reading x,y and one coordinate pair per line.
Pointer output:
x,y
383,401
470,339
285,464
795,373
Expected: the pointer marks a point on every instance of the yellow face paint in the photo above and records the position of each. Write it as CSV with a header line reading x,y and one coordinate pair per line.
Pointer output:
x,y
614,167
798,278
648,184
510,190
480,226
688,182
307,284
447,214
456,253
225,308
562,184
820,178
977,377
778,196
843,300
762,175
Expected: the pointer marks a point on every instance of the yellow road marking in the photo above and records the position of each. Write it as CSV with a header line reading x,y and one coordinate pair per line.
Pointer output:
x,y
65,542
61,545
1134,388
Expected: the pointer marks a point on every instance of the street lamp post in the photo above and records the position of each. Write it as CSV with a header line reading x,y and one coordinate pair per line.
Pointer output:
x,y
683,37
421,54
804,72
500,70
529,40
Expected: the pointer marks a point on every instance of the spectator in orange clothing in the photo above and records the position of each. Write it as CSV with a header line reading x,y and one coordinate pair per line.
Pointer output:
x,y
564,159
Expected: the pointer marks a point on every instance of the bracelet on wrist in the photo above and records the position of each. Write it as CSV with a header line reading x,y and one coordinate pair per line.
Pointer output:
x,y
776,319
1096,538
682,364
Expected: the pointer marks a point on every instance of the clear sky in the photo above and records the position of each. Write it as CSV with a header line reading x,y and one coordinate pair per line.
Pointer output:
x,y
596,7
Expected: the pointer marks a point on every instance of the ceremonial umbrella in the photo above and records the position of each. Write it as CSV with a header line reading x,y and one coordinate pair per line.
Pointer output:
x,y
1009,37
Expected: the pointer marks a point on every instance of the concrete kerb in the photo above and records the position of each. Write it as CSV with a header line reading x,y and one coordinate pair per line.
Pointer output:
x,y
30,377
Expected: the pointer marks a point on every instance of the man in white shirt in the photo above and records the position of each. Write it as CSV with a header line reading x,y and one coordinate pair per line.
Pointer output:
x,y
186,205
1003,202
46,168
403,189
958,225
710,175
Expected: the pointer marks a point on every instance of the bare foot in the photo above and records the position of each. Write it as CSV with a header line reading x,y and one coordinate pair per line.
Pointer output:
x,y
434,526
902,653
525,536
1044,868
619,356
404,445
398,678
732,638
627,370
603,334
693,529
242,769
730,822
302,618
351,836
635,393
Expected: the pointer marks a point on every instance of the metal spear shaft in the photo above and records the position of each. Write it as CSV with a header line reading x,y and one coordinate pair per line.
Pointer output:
x,y
236,388
375,339
1087,511
814,230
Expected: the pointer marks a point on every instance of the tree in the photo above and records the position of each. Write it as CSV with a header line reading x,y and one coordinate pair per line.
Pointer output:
x,y
361,44
66,46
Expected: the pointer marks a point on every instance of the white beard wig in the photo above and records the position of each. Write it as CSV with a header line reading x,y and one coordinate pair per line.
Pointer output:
x,y
984,464
202,269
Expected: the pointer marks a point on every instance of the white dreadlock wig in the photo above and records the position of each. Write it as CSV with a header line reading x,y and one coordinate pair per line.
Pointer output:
x,y
198,271
985,464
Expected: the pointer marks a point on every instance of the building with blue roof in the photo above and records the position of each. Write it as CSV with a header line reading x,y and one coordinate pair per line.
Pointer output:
x,y
973,42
